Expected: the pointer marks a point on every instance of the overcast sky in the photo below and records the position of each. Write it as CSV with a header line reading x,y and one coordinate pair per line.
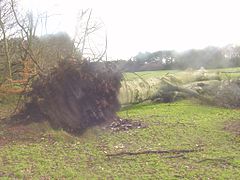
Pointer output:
x,y
149,25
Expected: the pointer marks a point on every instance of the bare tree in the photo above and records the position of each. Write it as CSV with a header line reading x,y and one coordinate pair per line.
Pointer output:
x,y
28,25
86,26
7,30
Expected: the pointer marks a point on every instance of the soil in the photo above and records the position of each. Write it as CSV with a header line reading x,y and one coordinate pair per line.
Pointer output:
x,y
17,133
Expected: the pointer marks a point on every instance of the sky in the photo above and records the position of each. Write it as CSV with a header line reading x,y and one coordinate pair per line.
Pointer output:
x,y
149,25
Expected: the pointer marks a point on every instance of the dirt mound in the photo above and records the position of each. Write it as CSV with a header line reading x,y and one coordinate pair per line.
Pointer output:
x,y
75,95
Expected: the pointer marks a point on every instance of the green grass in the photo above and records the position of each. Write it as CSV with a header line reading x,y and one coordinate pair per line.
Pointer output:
x,y
36,151
226,69
46,153
149,74
224,75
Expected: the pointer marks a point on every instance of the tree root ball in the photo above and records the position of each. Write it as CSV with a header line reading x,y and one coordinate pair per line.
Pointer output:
x,y
76,95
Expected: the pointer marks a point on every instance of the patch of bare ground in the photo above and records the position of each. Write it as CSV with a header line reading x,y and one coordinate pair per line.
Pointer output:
x,y
12,132
233,127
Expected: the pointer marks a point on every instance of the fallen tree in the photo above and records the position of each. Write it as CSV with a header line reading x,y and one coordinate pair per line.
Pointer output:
x,y
205,86
228,94
225,93
141,89
74,95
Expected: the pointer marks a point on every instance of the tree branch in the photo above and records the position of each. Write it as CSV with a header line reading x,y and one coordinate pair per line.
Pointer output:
x,y
155,152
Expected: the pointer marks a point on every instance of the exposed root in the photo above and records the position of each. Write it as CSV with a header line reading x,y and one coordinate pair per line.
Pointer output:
x,y
75,95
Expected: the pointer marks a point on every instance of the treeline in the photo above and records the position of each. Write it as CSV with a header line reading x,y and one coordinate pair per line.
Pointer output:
x,y
210,58
46,51
26,51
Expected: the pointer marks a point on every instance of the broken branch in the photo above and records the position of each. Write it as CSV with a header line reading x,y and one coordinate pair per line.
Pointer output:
x,y
155,152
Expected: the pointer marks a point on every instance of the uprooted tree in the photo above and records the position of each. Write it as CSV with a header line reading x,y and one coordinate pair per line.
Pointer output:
x,y
57,84
75,95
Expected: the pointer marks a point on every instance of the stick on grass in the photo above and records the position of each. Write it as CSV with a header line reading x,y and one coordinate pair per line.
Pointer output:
x,y
156,152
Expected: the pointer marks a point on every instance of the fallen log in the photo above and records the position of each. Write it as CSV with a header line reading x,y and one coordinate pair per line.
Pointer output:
x,y
173,151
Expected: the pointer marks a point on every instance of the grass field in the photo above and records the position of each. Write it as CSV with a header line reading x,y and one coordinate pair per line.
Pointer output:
x,y
149,74
36,151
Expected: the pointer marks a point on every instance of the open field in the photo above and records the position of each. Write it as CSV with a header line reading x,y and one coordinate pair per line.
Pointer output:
x,y
36,151
150,74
